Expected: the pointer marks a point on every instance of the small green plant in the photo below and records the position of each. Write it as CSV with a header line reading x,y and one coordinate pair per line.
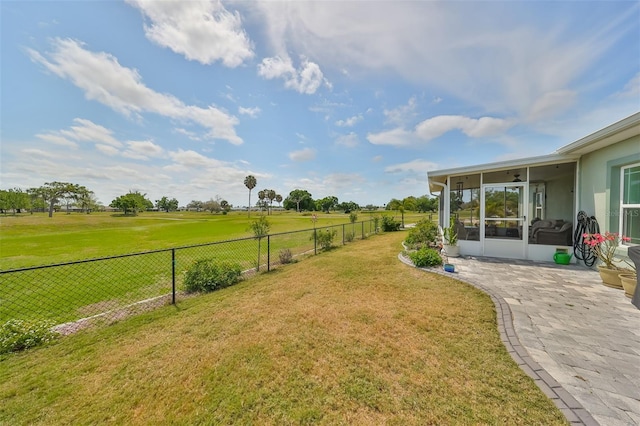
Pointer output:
x,y
18,335
324,238
450,234
425,257
208,275
353,216
389,224
425,233
376,222
349,236
285,256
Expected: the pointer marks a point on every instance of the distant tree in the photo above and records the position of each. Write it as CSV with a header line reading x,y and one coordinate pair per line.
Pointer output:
x,y
327,203
195,204
212,205
406,204
225,206
426,204
271,195
299,199
370,207
250,182
133,202
166,204
348,206
14,199
86,200
279,199
53,192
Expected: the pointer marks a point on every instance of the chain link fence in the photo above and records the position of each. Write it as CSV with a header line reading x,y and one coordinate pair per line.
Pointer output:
x,y
77,294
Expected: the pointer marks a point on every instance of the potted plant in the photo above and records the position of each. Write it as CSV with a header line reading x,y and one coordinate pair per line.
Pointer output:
x,y
604,248
450,236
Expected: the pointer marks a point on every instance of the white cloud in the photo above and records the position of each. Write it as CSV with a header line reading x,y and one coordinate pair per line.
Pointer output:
x,y
476,128
191,135
350,122
306,79
83,131
481,53
251,112
306,154
103,79
203,31
350,140
57,139
414,166
395,137
403,114
107,149
631,89
551,104
143,150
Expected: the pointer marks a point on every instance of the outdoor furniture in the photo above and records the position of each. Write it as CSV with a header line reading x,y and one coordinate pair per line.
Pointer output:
x,y
562,236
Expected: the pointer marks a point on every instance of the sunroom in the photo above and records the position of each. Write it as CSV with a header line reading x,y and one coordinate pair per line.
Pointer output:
x,y
528,208
520,209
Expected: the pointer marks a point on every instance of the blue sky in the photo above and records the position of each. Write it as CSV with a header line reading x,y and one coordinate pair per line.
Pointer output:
x,y
352,99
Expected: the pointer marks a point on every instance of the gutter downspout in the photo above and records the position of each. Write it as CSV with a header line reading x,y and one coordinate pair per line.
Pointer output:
x,y
443,194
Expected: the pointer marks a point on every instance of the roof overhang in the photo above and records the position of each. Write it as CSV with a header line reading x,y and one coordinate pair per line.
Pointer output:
x,y
437,178
617,132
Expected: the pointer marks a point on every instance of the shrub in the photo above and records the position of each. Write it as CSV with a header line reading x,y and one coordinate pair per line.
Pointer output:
x,y
353,216
349,236
285,256
208,275
425,257
17,335
325,238
424,233
389,224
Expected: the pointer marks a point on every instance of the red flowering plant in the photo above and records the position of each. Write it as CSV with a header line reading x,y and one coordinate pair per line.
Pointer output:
x,y
604,247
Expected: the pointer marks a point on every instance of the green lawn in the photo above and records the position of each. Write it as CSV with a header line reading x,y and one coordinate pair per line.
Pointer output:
x,y
29,240
351,336
72,292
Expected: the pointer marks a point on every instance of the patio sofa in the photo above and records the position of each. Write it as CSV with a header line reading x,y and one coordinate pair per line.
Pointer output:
x,y
552,232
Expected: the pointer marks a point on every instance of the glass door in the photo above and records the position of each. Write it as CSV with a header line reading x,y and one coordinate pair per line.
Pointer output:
x,y
504,217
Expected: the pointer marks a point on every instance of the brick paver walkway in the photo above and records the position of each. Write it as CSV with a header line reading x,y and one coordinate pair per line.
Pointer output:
x,y
579,340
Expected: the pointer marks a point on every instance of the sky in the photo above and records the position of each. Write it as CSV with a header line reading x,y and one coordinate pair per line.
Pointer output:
x,y
352,99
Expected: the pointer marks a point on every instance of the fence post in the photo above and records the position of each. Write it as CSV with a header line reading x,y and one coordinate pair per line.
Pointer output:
x,y
315,241
268,253
343,234
173,276
363,230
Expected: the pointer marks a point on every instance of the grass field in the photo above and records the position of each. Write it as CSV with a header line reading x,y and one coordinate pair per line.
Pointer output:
x,y
351,336
73,292
28,240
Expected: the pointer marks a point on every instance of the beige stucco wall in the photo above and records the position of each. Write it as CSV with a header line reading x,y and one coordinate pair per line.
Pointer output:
x,y
599,175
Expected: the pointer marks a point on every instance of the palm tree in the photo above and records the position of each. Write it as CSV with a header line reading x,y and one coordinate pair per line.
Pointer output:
x,y
250,182
271,195
262,195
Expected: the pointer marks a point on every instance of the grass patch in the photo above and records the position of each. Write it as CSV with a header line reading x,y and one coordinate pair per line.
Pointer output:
x,y
351,336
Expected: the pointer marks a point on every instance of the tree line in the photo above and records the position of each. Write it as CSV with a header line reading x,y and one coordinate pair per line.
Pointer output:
x,y
53,196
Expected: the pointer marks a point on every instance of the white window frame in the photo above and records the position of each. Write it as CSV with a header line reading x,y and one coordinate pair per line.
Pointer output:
x,y
622,204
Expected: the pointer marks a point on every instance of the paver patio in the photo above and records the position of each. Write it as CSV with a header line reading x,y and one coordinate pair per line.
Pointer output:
x,y
577,338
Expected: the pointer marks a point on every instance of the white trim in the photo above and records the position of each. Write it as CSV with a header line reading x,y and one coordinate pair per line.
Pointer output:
x,y
621,204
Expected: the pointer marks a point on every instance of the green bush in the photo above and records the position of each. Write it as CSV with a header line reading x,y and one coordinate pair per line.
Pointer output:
x,y
17,335
208,275
324,238
425,257
349,236
425,233
389,224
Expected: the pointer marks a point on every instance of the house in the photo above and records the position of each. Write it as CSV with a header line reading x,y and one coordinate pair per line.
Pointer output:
x,y
528,208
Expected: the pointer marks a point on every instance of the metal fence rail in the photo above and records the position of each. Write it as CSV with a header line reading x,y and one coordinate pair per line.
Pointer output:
x,y
80,293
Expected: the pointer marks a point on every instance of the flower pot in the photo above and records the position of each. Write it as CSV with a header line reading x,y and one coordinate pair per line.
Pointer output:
x,y
610,277
451,251
629,282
